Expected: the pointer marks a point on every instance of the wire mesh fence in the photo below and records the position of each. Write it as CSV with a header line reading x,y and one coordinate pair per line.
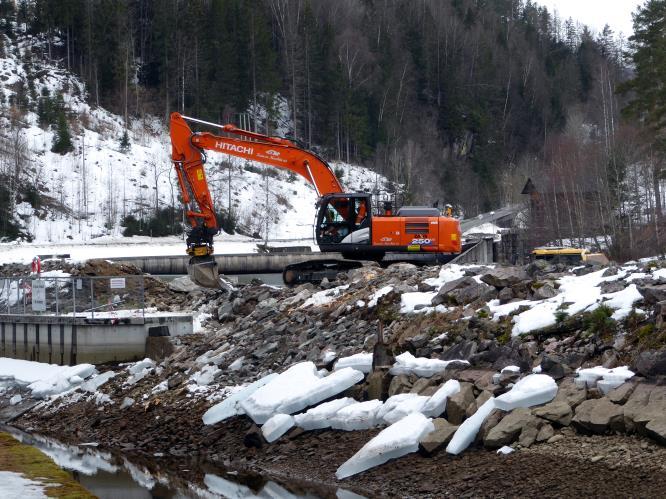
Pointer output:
x,y
77,296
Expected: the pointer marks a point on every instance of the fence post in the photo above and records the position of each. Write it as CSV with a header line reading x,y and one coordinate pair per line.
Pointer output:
x,y
56,295
73,281
143,297
92,298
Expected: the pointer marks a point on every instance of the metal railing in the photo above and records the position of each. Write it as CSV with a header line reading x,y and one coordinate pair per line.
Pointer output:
x,y
73,296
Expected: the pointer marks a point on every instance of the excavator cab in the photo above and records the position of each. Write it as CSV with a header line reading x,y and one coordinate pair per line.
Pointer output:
x,y
344,219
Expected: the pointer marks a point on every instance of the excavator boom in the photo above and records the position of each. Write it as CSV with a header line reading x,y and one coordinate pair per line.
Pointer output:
x,y
274,151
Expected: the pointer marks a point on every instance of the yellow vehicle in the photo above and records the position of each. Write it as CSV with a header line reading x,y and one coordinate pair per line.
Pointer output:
x,y
572,256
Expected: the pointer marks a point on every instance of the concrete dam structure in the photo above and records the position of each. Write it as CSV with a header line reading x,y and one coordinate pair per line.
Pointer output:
x,y
73,340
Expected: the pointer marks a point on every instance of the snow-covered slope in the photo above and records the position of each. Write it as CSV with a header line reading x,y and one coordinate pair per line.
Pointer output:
x,y
93,187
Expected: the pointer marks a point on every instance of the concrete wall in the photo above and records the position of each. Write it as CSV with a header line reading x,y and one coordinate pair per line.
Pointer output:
x,y
69,340
481,253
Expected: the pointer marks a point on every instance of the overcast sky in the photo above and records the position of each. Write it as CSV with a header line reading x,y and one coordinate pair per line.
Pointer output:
x,y
597,13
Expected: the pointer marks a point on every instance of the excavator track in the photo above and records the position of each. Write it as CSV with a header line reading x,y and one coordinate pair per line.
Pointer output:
x,y
315,271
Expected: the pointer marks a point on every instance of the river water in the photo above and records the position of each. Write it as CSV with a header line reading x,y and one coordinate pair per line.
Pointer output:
x,y
113,476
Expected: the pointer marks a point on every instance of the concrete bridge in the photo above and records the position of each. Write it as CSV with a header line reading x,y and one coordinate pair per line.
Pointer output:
x,y
501,217
249,263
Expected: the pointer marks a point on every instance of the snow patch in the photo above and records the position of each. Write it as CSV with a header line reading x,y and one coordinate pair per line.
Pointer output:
x,y
320,416
406,363
534,389
374,298
277,426
397,440
231,405
295,389
16,485
360,361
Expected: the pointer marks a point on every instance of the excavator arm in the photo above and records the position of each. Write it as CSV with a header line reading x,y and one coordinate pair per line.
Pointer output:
x,y
188,159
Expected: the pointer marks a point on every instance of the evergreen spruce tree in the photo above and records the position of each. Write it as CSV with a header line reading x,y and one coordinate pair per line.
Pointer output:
x,y
125,144
649,101
649,56
62,142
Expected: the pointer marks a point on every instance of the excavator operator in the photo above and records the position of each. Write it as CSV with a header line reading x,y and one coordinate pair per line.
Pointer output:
x,y
361,213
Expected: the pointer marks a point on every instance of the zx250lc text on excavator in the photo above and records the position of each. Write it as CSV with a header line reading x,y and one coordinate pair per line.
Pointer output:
x,y
345,221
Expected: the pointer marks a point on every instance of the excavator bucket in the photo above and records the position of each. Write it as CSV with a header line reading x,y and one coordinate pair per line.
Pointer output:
x,y
203,271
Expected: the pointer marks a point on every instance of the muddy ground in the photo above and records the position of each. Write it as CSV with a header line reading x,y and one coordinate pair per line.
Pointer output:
x,y
576,466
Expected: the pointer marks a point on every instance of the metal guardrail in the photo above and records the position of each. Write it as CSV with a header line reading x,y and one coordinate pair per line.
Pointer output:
x,y
73,296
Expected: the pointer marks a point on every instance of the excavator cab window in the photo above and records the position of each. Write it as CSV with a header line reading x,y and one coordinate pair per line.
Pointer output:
x,y
340,216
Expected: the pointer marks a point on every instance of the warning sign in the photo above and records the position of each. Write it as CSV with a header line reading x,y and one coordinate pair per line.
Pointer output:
x,y
38,296
117,283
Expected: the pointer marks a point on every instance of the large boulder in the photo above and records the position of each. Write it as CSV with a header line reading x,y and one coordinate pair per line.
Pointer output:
x,y
225,311
472,293
505,295
502,277
510,428
489,423
480,400
539,267
437,439
456,406
569,393
399,384
462,350
621,394
481,379
530,432
599,416
557,411
460,292
545,433
182,285
656,429
497,357
638,400
553,365
651,363
442,294
542,291
652,293
612,286
654,409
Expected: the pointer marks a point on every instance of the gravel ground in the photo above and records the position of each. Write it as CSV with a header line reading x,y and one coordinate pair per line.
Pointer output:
x,y
576,466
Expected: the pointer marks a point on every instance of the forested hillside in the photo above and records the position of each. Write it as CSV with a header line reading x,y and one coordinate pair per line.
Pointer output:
x,y
462,89
458,100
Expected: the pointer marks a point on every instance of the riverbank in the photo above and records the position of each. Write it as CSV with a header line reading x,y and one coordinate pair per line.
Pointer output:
x,y
574,466
484,329
26,472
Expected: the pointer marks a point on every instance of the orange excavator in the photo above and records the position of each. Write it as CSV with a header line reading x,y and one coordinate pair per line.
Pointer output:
x,y
345,221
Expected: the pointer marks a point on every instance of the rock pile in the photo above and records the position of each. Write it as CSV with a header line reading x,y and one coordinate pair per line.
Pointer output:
x,y
460,318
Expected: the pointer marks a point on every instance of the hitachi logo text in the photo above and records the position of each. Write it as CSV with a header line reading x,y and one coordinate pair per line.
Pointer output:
x,y
224,146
